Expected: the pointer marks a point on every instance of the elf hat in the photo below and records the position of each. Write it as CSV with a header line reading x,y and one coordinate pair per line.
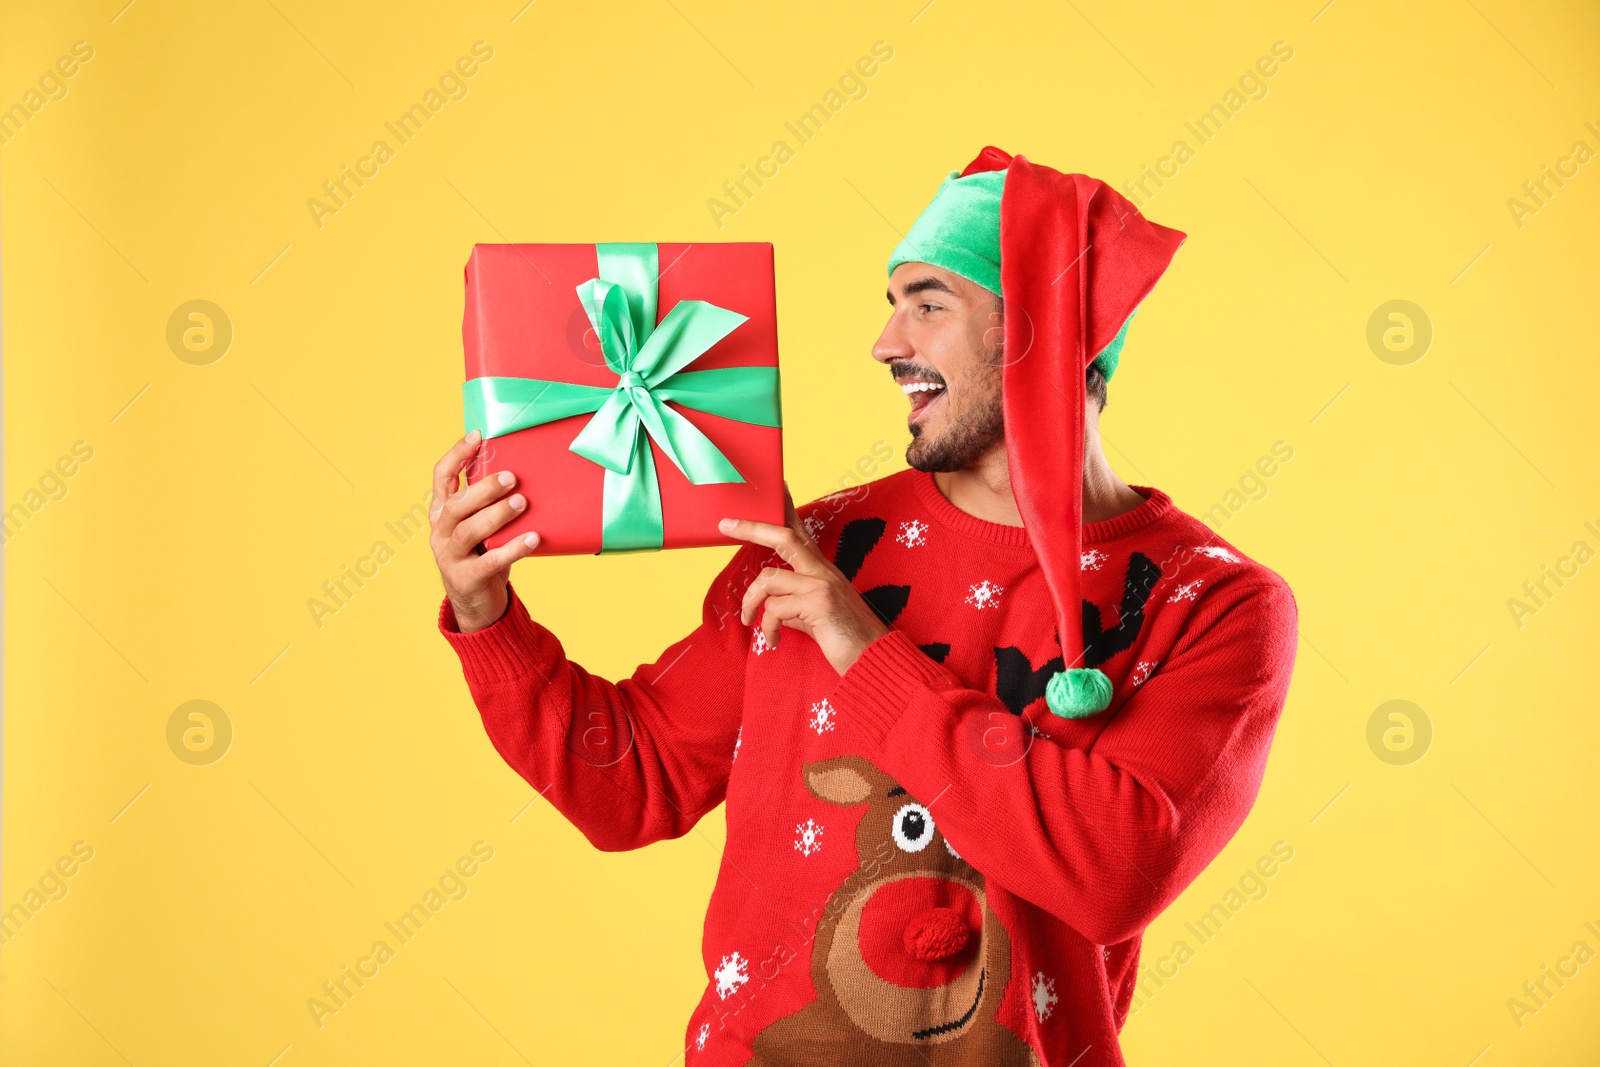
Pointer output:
x,y
1072,259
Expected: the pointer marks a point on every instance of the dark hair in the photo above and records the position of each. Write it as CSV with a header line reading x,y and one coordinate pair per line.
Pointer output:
x,y
1094,383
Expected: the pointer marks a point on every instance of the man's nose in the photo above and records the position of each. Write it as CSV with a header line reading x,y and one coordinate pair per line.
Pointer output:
x,y
892,343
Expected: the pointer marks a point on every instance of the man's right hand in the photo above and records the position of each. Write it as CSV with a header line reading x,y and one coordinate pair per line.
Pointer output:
x,y
474,579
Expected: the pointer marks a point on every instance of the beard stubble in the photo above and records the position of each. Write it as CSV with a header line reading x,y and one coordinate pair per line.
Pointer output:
x,y
974,423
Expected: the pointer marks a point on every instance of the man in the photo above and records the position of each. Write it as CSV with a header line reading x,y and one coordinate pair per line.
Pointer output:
x,y
976,723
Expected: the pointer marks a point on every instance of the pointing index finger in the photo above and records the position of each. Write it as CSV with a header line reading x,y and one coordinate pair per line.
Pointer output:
x,y
791,545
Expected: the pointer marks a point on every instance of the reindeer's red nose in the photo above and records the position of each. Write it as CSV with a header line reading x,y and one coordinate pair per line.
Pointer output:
x,y
936,934
920,932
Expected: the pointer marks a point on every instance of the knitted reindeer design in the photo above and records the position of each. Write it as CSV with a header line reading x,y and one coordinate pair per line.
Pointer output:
x,y
1017,682
856,540
909,961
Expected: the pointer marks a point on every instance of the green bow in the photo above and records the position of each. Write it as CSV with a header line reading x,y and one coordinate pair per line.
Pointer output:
x,y
648,359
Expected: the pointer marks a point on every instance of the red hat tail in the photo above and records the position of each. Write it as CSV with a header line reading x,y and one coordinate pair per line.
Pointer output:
x,y
1076,259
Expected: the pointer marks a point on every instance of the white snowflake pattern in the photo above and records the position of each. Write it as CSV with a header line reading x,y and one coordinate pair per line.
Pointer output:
x,y
807,837
731,973
1186,591
1217,552
1092,560
1044,996
738,739
758,643
1141,671
822,716
814,526
911,533
700,1038
984,594
1105,953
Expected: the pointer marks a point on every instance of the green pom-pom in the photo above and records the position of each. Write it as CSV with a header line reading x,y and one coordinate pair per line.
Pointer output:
x,y
1078,692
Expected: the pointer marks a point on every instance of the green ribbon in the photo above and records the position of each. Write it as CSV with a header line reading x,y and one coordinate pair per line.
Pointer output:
x,y
648,359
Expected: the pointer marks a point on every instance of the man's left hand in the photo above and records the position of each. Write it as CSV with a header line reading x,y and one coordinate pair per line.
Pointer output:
x,y
813,597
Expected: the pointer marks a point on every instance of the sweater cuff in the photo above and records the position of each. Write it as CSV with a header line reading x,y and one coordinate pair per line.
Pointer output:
x,y
508,651
875,691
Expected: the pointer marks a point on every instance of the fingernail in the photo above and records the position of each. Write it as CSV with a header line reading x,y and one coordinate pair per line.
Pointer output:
x,y
725,525
532,540
506,478
518,502
472,438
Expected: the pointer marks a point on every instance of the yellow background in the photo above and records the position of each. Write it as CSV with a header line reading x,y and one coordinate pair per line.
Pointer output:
x,y
219,498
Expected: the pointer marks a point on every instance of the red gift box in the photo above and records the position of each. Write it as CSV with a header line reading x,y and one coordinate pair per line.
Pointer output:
x,y
525,319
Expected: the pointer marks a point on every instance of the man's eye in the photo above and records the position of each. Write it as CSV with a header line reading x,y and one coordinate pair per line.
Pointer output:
x,y
928,307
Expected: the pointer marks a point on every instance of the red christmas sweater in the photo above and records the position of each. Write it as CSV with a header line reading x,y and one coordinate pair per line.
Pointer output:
x,y
923,865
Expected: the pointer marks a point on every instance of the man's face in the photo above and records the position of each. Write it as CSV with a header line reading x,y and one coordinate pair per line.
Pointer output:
x,y
943,344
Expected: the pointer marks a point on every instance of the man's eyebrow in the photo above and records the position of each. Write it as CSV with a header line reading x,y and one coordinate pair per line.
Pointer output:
x,y
929,284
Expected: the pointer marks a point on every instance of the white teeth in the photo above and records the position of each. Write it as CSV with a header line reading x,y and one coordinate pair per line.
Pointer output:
x,y
920,387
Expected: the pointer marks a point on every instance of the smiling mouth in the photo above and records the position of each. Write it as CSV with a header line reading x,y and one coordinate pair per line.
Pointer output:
x,y
924,396
955,1024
